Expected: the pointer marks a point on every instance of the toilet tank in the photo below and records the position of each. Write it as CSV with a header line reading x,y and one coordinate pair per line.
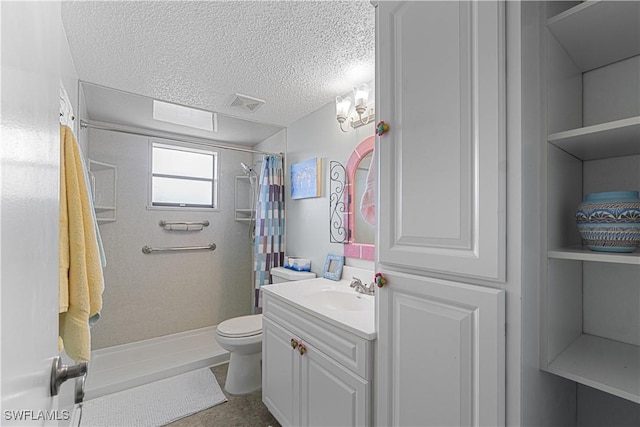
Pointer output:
x,y
281,274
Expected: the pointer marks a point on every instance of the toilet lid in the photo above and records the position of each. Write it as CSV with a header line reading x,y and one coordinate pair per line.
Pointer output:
x,y
244,326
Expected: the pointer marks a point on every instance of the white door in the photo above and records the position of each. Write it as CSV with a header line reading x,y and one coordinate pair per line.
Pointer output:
x,y
440,87
441,353
330,394
29,210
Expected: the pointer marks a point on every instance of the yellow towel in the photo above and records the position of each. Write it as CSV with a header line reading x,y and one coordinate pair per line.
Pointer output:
x,y
80,271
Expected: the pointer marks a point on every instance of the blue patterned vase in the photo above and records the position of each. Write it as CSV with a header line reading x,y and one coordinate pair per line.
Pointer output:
x,y
610,221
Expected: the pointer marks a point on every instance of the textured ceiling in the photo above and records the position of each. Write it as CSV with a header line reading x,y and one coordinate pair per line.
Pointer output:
x,y
295,55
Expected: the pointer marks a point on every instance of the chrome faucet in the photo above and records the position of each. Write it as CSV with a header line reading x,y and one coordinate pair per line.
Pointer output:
x,y
362,288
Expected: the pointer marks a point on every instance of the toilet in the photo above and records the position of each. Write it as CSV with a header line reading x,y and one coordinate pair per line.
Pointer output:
x,y
242,338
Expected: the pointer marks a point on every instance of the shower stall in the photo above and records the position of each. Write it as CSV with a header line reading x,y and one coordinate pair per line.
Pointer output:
x,y
161,309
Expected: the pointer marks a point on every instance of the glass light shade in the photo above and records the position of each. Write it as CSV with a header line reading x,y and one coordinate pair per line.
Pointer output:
x,y
342,107
361,95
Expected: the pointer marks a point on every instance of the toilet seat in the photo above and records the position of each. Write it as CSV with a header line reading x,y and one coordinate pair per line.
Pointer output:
x,y
240,327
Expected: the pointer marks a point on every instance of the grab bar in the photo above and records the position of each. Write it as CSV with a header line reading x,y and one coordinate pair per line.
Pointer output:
x,y
183,225
149,249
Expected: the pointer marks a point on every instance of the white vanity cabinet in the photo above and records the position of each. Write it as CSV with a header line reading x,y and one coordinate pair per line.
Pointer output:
x,y
313,373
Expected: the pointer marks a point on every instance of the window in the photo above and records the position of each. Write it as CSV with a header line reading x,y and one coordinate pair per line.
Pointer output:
x,y
183,177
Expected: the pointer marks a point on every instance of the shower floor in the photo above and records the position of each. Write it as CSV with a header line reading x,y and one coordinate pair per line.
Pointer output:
x,y
125,366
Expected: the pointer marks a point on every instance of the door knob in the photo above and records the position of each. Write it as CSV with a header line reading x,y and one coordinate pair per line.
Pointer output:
x,y
60,373
79,391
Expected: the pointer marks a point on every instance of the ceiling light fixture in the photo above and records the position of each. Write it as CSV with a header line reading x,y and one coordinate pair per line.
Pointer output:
x,y
364,112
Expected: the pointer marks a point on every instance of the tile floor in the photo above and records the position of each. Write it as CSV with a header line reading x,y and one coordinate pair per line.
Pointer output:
x,y
238,411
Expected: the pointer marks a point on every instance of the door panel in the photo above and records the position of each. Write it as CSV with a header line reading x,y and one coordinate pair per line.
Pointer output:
x,y
439,131
29,210
442,346
280,373
441,353
330,394
440,86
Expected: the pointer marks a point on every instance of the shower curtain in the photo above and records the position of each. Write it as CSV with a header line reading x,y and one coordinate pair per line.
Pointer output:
x,y
269,231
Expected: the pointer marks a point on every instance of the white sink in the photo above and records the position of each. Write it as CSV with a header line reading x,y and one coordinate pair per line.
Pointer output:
x,y
334,302
340,300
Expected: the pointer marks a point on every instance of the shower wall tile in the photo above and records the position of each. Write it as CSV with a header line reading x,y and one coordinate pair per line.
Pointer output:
x,y
147,296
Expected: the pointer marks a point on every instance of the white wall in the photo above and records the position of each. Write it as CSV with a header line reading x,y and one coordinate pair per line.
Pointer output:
x,y
162,293
597,408
69,78
274,144
307,220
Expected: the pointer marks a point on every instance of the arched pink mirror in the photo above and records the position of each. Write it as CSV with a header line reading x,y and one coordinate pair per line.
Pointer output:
x,y
361,242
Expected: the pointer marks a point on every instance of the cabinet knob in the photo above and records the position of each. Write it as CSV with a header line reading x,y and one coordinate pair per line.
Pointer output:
x,y
380,280
302,349
381,128
294,343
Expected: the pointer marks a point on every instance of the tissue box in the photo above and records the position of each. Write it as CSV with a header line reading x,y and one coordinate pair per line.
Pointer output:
x,y
298,264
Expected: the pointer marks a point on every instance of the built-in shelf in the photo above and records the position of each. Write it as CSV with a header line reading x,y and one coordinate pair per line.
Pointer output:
x,y
607,365
612,139
104,208
243,201
103,186
589,304
597,33
586,254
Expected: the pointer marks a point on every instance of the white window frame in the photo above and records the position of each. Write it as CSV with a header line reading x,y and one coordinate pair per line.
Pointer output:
x,y
172,145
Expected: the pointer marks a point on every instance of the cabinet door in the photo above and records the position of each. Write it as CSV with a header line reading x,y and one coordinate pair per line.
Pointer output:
x,y
440,353
280,374
440,87
330,394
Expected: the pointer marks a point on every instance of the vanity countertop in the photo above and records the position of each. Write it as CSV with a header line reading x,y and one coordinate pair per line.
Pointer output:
x,y
332,301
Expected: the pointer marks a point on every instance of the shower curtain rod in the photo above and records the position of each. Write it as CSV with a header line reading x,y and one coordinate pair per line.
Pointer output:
x,y
166,135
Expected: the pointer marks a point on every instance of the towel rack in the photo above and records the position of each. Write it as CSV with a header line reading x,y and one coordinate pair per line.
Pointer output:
x,y
149,249
183,225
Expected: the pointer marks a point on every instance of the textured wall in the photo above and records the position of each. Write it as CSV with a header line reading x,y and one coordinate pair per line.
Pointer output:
x,y
162,293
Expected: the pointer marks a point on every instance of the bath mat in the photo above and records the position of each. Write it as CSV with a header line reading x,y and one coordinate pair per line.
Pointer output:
x,y
155,404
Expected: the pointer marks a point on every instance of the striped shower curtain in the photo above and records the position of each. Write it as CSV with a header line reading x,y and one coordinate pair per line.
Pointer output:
x,y
269,233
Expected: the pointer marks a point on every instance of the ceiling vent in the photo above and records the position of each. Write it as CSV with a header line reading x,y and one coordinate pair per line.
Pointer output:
x,y
246,103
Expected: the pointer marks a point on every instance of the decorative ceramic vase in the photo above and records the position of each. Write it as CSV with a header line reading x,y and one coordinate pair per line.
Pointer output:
x,y
610,221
